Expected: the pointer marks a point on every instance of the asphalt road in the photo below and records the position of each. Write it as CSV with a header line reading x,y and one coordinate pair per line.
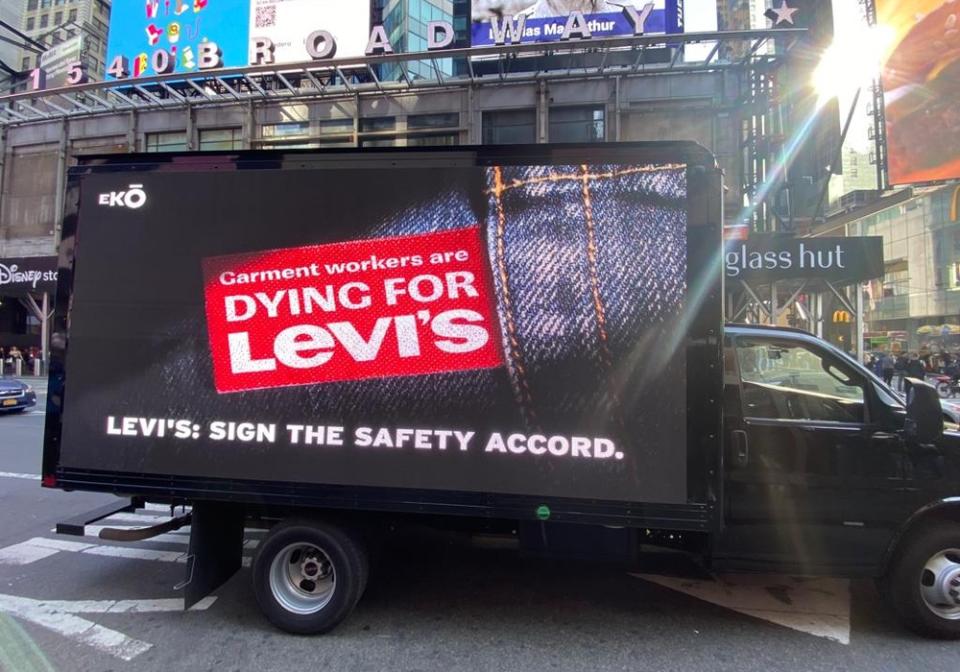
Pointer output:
x,y
434,603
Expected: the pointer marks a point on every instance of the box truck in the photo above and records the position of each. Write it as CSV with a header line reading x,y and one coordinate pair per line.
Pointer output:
x,y
526,340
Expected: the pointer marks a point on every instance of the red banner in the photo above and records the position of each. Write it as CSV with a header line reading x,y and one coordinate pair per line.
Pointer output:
x,y
347,311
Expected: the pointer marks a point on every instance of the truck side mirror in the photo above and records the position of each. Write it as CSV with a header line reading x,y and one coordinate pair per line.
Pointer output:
x,y
924,421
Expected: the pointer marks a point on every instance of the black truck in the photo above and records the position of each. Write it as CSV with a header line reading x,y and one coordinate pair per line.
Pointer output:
x,y
521,340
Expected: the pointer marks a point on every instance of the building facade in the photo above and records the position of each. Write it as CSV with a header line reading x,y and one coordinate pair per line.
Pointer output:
x,y
52,22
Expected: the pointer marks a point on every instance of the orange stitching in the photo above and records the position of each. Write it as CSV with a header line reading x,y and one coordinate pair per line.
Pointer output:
x,y
526,397
580,176
592,268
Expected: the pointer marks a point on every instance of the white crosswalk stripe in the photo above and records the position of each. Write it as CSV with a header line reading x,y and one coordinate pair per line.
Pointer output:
x,y
65,617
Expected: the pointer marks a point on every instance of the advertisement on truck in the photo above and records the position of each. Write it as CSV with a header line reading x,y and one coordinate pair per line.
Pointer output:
x,y
482,328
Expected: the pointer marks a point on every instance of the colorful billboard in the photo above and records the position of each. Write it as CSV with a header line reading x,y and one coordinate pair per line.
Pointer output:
x,y
552,20
921,81
159,36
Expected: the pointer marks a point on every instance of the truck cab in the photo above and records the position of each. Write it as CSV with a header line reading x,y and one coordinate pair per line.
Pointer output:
x,y
828,471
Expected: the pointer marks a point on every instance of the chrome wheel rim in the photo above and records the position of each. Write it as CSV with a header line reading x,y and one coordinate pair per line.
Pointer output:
x,y
302,578
940,584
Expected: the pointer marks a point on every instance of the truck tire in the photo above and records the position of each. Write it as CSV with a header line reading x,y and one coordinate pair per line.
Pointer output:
x,y
923,581
308,576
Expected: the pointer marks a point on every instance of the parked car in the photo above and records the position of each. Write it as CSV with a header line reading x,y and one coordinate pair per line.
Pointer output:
x,y
16,396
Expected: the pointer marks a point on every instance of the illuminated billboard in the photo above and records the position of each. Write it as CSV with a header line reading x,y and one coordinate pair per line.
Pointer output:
x,y
162,36
921,81
551,20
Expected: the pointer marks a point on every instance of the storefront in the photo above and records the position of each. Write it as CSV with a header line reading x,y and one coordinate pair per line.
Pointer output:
x,y
27,285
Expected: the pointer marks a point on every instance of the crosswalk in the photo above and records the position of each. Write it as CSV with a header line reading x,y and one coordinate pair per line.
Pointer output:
x,y
65,617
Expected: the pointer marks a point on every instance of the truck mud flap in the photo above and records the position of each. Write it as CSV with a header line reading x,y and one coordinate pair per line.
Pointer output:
x,y
216,549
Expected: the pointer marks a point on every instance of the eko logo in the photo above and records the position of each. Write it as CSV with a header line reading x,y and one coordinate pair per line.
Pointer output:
x,y
134,198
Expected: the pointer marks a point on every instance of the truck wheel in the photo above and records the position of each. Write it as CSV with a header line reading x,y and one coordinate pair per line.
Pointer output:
x,y
923,582
308,576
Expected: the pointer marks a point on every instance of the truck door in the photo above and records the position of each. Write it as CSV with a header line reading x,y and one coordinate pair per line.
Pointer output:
x,y
807,472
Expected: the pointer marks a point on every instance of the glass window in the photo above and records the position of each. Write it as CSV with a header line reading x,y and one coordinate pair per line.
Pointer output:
x,y
31,23
72,16
212,139
378,125
285,129
422,122
577,124
788,380
510,127
58,18
31,5
167,142
44,20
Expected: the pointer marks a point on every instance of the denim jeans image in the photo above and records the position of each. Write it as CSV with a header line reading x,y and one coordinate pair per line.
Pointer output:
x,y
589,264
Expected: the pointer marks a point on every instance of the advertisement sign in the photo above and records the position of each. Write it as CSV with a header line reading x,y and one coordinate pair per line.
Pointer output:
x,y
57,61
767,258
425,327
551,20
20,276
158,36
921,81
287,23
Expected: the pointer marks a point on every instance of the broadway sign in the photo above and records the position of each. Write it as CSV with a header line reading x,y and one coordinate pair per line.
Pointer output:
x,y
28,275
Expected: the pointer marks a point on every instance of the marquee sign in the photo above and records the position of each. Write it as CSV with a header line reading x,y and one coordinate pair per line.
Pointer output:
x,y
161,37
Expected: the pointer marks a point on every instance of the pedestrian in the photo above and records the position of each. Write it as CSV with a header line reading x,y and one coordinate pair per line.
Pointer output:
x,y
915,367
887,368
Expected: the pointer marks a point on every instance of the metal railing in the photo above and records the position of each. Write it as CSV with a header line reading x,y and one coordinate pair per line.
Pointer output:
x,y
480,66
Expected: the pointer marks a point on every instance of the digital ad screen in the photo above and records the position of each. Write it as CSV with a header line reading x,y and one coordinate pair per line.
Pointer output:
x,y
506,329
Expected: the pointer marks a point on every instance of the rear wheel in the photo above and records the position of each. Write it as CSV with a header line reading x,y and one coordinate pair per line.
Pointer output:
x,y
923,583
308,576
943,389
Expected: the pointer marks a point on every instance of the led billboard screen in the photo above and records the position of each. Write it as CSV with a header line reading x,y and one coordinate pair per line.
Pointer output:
x,y
546,20
138,30
921,80
447,329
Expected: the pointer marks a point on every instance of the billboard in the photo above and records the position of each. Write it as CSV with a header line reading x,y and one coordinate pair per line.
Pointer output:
x,y
451,333
921,81
177,29
551,20
57,60
287,23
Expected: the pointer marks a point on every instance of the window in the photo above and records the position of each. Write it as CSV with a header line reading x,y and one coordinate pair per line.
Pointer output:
x,y
419,123
25,64
31,23
58,18
72,16
167,142
44,20
787,380
289,134
509,127
213,139
577,124
336,132
378,125
31,5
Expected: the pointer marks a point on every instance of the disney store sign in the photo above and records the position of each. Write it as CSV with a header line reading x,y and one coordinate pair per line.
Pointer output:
x,y
28,275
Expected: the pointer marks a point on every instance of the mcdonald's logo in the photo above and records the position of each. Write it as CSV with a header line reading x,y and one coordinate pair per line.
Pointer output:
x,y
841,316
955,205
